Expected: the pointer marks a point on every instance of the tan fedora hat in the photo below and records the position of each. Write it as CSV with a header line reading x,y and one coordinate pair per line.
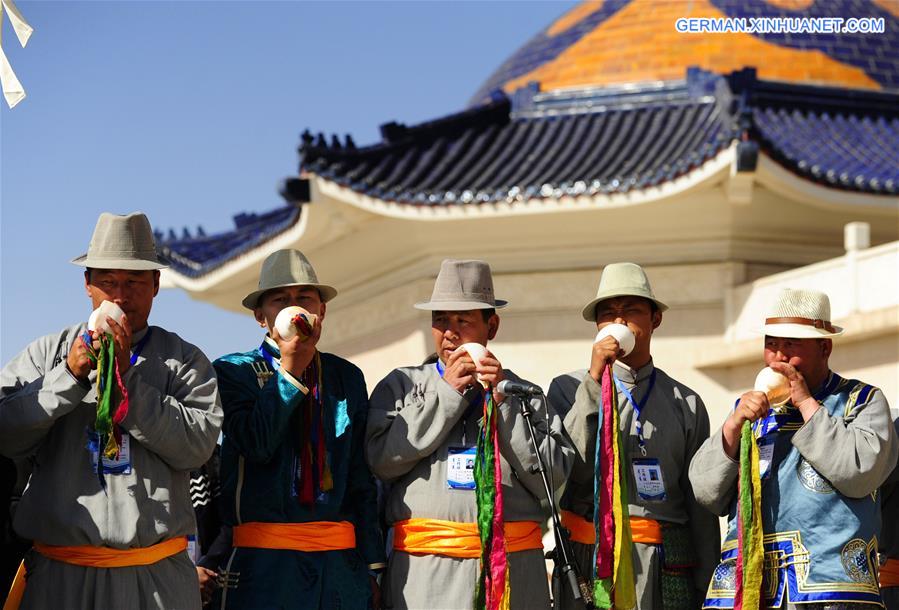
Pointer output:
x,y
621,280
800,314
122,242
287,268
462,285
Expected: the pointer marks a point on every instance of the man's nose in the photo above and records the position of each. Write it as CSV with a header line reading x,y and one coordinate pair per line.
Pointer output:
x,y
779,356
619,319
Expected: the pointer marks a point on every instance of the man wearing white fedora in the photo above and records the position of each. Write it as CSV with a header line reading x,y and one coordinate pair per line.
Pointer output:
x,y
295,485
423,430
822,456
663,424
109,527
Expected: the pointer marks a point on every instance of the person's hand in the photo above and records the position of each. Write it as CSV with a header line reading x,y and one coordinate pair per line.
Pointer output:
x,y
605,352
753,405
376,602
800,396
297,354
78,361
208,583
459,370
490,371
121,339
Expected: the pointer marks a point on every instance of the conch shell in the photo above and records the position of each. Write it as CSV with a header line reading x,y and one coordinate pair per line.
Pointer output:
x,y
477,353
97,321
622,334
292,321
775,386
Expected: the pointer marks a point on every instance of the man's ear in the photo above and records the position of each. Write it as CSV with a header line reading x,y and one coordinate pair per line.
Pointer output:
x,y
87,282
826,348
321,316
260,317
156,275
656,319
492,327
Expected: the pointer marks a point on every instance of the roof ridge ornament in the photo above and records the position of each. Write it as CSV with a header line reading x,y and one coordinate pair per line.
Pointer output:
x,y
13,90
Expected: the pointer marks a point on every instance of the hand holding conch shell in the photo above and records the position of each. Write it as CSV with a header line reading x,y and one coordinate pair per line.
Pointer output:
x,y
605,352
293,321
107,309
622,335
477,353
774,385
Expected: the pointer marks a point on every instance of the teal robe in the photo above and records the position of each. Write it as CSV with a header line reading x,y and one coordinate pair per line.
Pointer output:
x,y
261,439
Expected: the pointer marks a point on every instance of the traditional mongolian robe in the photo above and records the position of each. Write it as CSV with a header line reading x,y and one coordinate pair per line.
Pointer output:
x,y
889,536
421,432
172,424
674,425
266,410
820,504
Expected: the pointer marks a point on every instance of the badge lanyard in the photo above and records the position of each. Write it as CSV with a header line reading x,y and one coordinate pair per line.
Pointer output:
x,y
638,406
135,353
273,363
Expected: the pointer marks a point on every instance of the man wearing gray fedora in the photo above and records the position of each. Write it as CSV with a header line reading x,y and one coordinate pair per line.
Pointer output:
x,y
295,485
663,423
423,429
110,528
822,455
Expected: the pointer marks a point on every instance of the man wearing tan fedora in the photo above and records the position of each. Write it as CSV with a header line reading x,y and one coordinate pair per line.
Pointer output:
x,y
822,456
422,432
110,528
663,423
296,488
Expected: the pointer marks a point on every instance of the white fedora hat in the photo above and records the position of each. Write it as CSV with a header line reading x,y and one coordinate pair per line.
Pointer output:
x,y
800,314
122,242
621,280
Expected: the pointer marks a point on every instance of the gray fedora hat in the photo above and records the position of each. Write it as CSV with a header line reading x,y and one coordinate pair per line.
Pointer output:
x,y
462,285
287,268
621,280
122,242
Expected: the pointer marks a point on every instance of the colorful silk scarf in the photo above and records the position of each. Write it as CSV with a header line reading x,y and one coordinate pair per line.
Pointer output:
x,y
112,396
492,592
315,467
750,535
613,569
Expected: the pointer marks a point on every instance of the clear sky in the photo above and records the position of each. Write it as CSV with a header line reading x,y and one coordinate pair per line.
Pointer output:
x,y
191,112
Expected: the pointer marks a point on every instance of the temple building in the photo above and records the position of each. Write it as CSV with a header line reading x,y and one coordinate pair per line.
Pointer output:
x,y
729,165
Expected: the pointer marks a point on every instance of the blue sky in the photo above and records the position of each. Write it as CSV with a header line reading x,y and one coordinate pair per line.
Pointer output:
x,y
191,112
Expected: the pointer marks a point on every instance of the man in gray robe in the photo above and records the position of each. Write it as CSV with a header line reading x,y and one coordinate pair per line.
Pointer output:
x,y
825,446
423,426
131,505
671,572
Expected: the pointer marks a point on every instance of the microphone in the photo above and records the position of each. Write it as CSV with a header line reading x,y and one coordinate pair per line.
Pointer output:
x,y
521,388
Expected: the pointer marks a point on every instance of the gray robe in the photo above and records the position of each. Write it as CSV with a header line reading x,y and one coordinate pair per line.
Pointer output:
x,y
173,420
675,424
867,454
414,418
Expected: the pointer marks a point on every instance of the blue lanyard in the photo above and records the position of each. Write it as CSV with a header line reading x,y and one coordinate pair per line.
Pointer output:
x,y
440,368
265,351
137,349
638,406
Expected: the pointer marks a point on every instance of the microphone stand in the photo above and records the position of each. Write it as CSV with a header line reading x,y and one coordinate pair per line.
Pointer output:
x,y
564,557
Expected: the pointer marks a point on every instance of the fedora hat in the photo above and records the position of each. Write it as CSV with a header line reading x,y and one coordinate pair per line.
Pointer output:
x,y
621,280
800,314
463,285
122,242
287,268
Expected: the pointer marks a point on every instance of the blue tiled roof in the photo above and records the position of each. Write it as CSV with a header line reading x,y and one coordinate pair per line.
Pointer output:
x,y
592,142
197,256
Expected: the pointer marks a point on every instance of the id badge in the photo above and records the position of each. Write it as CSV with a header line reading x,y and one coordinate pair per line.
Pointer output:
x,y
193,549
460,468
120,465
648,476
766,454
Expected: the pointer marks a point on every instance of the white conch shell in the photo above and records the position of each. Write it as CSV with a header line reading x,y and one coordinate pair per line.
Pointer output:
x,y
775,386
622,334
284,321
97,321
477,353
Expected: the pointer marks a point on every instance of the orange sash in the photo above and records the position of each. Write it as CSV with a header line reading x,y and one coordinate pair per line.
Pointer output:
x,y
308,537
454,539
889,573
643,531
95,557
